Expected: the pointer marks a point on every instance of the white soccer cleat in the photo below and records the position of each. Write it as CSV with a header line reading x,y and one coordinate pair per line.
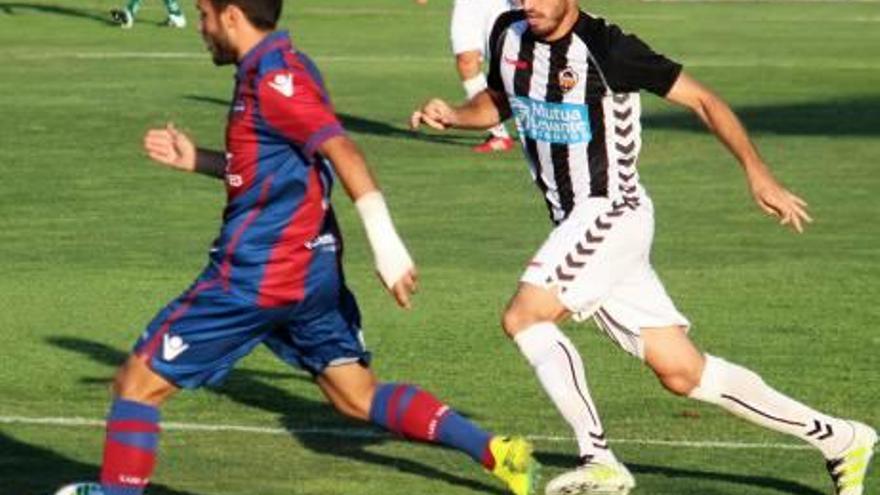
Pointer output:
x,y
593,478
176,21
849,469
122,17
80,489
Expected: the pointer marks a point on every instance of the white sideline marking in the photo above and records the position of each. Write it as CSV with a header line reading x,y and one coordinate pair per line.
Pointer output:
x,y
368,433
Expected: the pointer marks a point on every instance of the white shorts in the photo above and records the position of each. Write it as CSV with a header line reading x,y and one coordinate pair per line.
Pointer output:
x,y
598,262
472,22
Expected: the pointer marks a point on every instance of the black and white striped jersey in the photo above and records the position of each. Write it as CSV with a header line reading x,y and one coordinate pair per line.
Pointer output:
x,y
576,105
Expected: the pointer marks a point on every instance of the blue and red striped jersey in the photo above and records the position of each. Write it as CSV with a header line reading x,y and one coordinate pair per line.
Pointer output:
x,y
278,186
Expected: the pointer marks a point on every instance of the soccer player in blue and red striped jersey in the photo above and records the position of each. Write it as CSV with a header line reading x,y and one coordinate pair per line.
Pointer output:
x,y
274,275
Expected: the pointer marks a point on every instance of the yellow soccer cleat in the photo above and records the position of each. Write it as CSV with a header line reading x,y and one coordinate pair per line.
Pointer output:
x,y
848,471
514,464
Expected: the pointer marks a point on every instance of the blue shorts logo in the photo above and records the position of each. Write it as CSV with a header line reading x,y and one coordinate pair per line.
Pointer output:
x,y
559,123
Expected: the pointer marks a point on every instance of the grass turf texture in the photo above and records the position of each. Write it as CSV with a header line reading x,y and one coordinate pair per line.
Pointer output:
x,y
95,239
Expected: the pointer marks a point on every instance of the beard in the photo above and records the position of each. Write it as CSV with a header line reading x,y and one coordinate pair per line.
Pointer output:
x,y
222,52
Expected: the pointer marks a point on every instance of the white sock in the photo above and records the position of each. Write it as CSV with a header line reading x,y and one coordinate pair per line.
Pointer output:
x,y
744,393
473,86
561,373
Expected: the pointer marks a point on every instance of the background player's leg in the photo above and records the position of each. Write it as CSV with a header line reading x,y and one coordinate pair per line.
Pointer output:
x,y
133,428
469,69
685,371
529,320
175,15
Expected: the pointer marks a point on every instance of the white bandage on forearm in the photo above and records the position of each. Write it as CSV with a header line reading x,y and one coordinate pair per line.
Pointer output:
x,y
474,85
391,256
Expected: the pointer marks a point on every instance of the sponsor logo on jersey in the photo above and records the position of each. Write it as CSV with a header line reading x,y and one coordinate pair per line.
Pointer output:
x,y
283,83
519,64
568,79
559,123
324,242
172,347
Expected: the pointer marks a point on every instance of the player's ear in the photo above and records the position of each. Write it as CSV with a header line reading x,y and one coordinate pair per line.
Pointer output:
x,y
235,16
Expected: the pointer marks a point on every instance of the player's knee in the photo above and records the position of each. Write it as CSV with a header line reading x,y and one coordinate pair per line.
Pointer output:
x,y
515,320
681,381
468,64
136,382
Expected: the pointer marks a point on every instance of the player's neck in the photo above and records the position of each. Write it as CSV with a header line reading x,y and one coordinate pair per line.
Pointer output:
x,y
248,40
564,27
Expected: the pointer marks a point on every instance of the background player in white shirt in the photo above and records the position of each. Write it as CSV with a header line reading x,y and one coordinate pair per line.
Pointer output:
x,y
472,22
572,81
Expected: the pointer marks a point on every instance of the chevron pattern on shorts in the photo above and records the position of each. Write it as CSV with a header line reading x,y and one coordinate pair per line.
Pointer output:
x,y
578,258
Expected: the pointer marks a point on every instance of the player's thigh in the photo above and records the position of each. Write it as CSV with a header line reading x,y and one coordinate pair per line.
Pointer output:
x,y
467,27
322,331
198,337
589,253
638,307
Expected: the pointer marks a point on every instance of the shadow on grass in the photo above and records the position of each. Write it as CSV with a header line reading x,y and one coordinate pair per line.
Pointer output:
x,y
29,470
10,8
779,485
362,125
250,388
853,116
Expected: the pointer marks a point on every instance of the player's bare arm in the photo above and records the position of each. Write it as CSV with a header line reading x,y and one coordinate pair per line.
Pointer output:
x,y
393,262
717,115
176,150
484,110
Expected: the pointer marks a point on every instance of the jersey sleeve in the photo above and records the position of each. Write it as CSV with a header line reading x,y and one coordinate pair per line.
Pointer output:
x,y
494,47
632,65
294,105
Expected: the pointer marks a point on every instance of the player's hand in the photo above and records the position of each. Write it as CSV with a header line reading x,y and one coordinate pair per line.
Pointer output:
x,y
171,148
436,113
404,288
779,202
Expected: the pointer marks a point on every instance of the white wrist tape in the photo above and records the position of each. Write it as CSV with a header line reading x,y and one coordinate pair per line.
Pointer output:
x,y
391,256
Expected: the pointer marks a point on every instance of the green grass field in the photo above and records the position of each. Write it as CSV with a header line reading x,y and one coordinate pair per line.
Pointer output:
x,y
94,240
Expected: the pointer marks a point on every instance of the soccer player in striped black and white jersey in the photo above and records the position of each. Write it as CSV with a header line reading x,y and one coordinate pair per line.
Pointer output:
x,y
571,81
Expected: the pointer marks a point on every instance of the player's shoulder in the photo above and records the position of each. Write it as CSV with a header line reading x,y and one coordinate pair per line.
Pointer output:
x,y
504,21
290,64
596,31
508,18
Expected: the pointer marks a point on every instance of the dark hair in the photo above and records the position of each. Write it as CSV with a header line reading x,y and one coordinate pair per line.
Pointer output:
x,y
263,14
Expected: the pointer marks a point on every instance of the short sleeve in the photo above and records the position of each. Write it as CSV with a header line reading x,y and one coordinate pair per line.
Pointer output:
x,y
293,104
496,40
631,65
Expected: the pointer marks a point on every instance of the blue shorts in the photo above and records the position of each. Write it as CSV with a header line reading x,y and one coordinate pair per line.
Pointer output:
x,y
197,338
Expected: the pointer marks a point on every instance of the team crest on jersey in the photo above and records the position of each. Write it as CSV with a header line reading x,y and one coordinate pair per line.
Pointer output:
x,y
568,79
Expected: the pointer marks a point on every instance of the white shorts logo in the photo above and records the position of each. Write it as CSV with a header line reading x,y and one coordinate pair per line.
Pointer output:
x,y
172,347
